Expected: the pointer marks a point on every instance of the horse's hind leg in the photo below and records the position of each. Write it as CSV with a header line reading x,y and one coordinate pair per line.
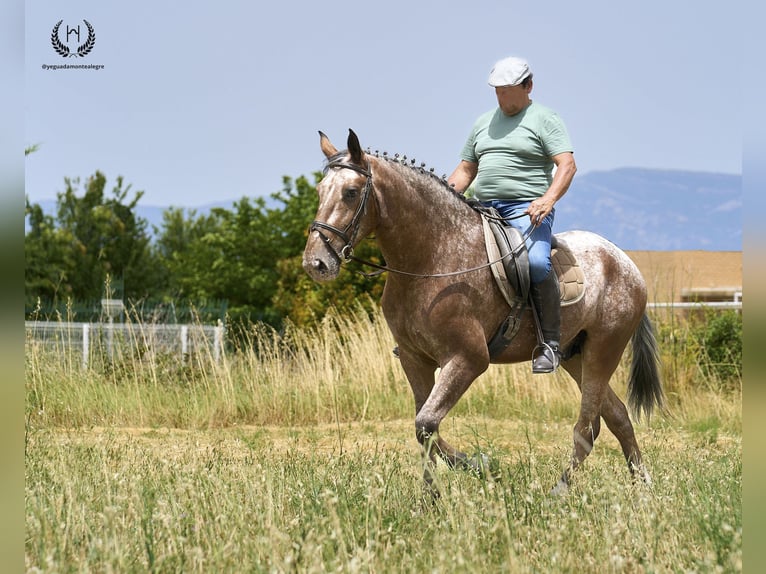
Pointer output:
x,y
584,435
615,415
600,401
593,380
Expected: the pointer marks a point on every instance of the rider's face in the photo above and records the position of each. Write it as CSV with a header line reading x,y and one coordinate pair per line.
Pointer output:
x,y
513,99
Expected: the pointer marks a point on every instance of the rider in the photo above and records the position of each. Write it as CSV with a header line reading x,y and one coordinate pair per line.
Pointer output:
x,y
511,153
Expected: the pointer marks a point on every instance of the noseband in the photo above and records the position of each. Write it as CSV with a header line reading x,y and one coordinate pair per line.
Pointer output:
x,y
348,234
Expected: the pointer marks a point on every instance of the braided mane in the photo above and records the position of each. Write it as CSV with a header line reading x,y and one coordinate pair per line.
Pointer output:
x,y
420,171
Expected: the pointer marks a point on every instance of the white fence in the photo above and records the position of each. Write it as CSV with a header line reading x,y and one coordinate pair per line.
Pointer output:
x,y
697,305
118,339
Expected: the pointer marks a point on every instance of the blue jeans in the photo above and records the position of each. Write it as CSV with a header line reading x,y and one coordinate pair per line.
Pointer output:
x,y
538,243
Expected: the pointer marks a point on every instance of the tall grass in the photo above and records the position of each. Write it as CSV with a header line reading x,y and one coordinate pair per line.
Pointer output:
x,y
296,452
342,370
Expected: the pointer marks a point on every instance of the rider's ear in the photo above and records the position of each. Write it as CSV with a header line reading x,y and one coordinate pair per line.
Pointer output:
x,y
354,148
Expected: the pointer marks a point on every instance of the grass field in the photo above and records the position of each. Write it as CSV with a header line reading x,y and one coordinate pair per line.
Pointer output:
x,y
297,454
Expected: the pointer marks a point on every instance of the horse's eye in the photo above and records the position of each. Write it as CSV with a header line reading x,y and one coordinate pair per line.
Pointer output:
x,y
350,193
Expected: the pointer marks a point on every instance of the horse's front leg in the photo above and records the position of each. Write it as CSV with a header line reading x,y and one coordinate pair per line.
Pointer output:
x,y
433,404
420,375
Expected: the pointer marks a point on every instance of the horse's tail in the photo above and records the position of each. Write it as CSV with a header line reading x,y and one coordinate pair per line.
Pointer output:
x,y
644,385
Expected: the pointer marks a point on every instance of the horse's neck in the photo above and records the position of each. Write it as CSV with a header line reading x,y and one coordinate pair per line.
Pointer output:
x,y
418,218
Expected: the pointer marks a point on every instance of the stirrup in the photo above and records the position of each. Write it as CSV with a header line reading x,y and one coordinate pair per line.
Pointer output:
x,y
546,358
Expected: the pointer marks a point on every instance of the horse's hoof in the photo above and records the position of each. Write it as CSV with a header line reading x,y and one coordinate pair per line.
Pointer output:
x,y
641,475
560,489
484,467
431,494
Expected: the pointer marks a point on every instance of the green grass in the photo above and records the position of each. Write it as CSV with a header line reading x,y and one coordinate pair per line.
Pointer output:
x,y
270,500
298,454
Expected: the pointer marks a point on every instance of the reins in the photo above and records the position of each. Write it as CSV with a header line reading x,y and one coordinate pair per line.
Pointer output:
x,y
384,268
347,251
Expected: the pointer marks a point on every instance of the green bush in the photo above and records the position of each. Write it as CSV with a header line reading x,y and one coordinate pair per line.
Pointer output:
x,y
719,340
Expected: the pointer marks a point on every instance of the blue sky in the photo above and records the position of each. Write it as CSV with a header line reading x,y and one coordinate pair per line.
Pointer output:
x,y
200,102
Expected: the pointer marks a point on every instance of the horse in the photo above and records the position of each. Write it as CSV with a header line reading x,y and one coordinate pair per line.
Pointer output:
x,y
443,306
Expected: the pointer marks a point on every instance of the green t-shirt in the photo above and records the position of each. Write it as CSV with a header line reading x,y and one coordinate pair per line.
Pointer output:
x,y
514,152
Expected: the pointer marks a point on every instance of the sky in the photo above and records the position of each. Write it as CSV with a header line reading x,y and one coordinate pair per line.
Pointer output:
x,y
198,102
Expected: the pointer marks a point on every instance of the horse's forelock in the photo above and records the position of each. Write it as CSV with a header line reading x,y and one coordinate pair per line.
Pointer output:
x,y
337,158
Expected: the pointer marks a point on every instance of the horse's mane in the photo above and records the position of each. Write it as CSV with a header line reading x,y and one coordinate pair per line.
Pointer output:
x,y
426,177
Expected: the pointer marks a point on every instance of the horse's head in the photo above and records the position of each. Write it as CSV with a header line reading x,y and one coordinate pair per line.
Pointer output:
x,y
344,199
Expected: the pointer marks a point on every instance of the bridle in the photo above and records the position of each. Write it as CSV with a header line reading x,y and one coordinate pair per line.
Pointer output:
x,y
347,251
349,233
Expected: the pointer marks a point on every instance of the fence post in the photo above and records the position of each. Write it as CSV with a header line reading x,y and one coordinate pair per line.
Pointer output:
x,y
85,344
110,338
184,342
217,341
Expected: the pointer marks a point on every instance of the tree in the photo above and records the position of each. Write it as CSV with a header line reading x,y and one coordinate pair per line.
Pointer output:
x,y
92,237
244,268
48,259
185,254
298,297
249,256
227,254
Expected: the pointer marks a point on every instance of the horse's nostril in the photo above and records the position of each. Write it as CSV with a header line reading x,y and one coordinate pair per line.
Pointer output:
x,y
319,265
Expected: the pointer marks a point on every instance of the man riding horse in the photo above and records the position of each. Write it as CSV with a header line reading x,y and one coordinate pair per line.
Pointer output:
x,y
444,306
510,153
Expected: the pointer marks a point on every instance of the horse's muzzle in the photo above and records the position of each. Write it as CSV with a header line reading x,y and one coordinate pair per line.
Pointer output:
x,y
320,268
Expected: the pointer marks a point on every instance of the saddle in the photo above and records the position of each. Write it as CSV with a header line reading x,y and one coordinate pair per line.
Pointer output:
x,y
507,250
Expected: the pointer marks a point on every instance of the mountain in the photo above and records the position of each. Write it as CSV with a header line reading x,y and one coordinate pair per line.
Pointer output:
x,y
635,208
656,210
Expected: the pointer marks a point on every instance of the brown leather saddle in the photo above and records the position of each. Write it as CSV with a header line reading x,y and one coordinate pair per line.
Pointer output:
x,y
507,252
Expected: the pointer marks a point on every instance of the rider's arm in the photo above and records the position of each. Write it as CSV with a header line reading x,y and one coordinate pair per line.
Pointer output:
x,y
565,170
463,175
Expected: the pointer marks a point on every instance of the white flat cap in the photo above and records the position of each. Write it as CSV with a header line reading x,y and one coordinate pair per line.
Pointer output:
x,y
509,72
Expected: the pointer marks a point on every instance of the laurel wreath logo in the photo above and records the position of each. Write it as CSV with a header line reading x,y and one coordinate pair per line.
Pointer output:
x,y
64,51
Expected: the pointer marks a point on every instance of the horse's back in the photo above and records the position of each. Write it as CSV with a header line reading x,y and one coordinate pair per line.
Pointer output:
x,y
596,254
614,286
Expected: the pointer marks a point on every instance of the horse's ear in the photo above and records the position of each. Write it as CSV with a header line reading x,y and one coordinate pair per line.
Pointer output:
x,y
328,149
354,148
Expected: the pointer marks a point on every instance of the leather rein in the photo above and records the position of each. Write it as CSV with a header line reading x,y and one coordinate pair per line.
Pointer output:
x,y
347,251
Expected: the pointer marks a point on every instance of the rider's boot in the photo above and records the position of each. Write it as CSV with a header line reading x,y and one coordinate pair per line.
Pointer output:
x,y
547,301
